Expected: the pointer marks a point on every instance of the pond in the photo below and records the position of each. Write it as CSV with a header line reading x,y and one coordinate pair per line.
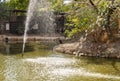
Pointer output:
x,y
40,63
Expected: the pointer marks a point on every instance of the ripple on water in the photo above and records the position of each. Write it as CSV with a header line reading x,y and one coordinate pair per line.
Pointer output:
x,y
66,71
81,72
50,61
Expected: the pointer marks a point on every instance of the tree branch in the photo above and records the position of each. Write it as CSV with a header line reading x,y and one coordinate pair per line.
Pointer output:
x,y
113,1
94,6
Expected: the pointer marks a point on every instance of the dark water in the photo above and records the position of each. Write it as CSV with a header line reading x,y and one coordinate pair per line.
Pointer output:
x,y
40,63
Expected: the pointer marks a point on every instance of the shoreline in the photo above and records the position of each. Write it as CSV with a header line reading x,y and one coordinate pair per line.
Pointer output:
x,y
30,38
85,48
91,49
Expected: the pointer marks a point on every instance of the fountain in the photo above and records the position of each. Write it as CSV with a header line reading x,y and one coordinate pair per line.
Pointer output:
x,y
41,14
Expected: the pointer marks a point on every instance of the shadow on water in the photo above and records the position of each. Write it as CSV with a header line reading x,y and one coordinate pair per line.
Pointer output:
x,y
102,61
114,65
14,48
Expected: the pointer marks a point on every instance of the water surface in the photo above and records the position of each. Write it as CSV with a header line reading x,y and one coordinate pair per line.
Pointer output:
x,y
40,63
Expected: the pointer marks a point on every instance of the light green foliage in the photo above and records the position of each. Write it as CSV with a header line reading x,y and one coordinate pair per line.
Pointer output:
x,y
79,19
79,16
57,5
18,4
82,14
108,8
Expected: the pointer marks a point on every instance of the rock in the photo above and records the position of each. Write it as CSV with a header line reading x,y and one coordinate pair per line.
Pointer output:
x,y
68,48
81,54
74,53
67,51
59,49
111,51
88,48
118,56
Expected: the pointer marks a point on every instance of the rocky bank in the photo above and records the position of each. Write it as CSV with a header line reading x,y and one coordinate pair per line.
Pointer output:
x,y
89,47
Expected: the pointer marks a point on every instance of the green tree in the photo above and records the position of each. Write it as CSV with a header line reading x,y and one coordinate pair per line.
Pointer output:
x,y
4,10
18,4
80,18
57,5
105,10
88,14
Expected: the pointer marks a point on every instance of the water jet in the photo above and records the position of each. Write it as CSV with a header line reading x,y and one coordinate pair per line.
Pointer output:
x,y
39,11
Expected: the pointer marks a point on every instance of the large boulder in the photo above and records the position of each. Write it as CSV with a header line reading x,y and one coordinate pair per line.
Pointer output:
x,y
68,48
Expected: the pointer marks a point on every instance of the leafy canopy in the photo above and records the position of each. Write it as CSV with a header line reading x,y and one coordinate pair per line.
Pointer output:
x,y
18,4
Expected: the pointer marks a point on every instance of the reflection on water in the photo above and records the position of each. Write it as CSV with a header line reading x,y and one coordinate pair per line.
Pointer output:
x,y
14,48
41,64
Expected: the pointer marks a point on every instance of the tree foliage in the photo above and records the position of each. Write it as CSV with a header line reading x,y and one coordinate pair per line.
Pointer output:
x,y
4,13
6,6
87,14
18,4
81,14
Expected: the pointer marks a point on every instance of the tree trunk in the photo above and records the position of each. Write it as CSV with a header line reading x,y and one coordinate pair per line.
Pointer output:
x,y
119,25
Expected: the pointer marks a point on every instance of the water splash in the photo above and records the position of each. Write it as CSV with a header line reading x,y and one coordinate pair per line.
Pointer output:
x,y
30,11
59,67
39,14
51,61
